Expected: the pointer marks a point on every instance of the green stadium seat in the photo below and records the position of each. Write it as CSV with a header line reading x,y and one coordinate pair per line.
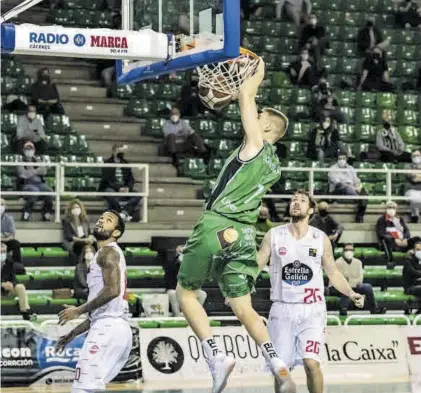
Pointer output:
x,y
11,67
173,324
347,65
355,18
30,252
409,52
254,43
386,100
7,182
225,147
280,79
140,252
53,252
365,133
36,300
288,45
263,95
366,115
299,112
9,122
410,134
58,124
231,129
296,150
63,301
409,37
207,128
347,133
9,85
140,108
333,32
271,60
366,99
408,101
147,90
104,20
286,30
299,132
349,113
194,168
215,166
301,97
407,69
329,17
347,33
232,111
85,18
252,27
280,95
148,324
292,175
44,275
171,92
271,45
122,92
408,117
154,127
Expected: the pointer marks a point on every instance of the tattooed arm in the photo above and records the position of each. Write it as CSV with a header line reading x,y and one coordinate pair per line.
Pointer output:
x,y
108,259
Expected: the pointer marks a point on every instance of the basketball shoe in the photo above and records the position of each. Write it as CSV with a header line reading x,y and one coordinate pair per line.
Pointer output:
x,y
221,367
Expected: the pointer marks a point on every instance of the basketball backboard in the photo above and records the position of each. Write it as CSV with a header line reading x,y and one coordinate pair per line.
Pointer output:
x,y
199,32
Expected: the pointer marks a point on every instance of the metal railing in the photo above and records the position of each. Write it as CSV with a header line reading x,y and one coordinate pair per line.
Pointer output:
x,y
388,172
60,176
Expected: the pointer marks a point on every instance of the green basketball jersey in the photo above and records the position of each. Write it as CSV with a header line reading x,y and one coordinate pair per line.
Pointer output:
x,y
241,185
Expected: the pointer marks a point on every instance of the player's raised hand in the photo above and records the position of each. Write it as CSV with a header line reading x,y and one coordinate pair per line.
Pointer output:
x,y
358,299
250,86
69,313
63,341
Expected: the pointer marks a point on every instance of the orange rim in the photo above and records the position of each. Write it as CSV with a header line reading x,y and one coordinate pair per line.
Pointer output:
x,y
244,51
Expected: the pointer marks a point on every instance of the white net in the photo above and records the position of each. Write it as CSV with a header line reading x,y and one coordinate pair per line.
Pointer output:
x,y
228,76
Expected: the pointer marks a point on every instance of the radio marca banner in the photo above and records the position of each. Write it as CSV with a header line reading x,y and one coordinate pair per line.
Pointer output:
x,y
28,357
177,354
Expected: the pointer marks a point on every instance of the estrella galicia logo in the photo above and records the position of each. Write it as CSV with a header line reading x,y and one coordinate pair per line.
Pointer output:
x,y
296,273
165,355
79,40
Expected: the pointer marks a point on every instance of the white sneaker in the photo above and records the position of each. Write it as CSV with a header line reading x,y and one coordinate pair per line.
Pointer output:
x,y
221,367
282,375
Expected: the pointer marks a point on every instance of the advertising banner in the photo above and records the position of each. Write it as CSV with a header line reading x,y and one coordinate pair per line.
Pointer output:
x,y
412,335
28,357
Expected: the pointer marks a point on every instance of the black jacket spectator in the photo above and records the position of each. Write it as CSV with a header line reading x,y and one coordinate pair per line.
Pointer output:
x,y
8,273
302,71
80,283
368,37
324,141
411,276
408,14
326,223
375,75
111,180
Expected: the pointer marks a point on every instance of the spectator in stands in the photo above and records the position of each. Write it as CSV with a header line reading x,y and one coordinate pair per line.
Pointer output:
x,y
392,233
15,104
413,186
248,9
412,271
375,74
302,71
31,179
352,270
313,37
171,269
120,180
8,233
326,223
390,144
325,103
295,10
191,105
180,138
76,230
45,95
324,140
9,285
80,284
370,37
263,223
408,14
30,128
343,180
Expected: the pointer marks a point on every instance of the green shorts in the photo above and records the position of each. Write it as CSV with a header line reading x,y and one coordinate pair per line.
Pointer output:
x,y
220,250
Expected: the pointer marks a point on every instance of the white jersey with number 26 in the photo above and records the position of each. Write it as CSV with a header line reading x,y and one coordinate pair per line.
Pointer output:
x,y
295,269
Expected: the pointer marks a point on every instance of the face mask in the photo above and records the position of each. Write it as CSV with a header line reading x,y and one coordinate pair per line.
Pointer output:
x,y
89,256
2,209
418,254
416,160
32,115
304,56
341,163
386,125
323,213
326,125
29,153
175,118
348,255
76,211
120,156
391,212
376,56
313,21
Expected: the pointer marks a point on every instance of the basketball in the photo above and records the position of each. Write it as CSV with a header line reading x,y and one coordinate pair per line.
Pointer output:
x,y
214,99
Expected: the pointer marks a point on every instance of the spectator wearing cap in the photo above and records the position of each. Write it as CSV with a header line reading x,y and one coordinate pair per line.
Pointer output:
x,y
31,179
325,222
8,233
352,269
392,232
10,286
343,180
411,274
30,128
413,186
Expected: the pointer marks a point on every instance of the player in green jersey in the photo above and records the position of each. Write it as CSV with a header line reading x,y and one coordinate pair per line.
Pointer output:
x,y
222,246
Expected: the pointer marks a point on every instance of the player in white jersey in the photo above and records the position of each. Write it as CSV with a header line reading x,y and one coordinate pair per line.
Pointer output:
x,y
102,355
297,319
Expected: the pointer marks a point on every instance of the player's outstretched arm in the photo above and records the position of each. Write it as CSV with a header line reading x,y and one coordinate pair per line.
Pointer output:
x,y
249,116
263,255
108,259
336,277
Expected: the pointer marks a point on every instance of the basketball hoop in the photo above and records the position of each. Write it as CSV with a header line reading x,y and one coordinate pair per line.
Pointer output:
x,y
228,76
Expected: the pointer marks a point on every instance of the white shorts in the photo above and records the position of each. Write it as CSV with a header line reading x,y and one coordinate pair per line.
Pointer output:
x,y
297,331
104,353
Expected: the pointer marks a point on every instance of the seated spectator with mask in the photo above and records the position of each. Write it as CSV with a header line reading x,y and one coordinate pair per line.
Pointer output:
x,y
313,37
352,269
343,180
413,186
392,232
303,71
408,14
369,37
324,141
30,128
375,75
180,138
80,284
115,179
45,95
325,222
171,268
9,285
325,103
76,230
31,179
412,271
390,144
8,233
